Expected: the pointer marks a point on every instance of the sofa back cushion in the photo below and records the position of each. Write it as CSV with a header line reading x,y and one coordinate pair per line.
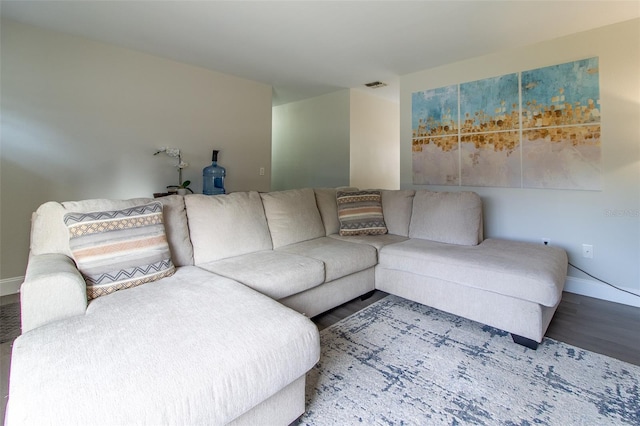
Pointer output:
x,y
293,216
326,202
447,217
177,229
49,234
396,207
223,226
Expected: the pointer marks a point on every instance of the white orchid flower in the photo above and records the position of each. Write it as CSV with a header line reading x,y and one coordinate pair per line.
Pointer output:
x,y
173,152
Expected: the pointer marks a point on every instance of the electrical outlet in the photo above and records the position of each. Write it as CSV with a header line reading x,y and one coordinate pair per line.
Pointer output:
x,y
587,251
546,241
261,171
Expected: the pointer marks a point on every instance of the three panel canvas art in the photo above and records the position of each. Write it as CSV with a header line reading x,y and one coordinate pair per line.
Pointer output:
x,y
532,129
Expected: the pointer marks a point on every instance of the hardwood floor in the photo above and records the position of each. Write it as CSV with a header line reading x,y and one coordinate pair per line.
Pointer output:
x,y
596,325
331,317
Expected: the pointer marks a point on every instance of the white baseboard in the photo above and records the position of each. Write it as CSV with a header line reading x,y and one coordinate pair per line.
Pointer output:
x,y
599,290
10,285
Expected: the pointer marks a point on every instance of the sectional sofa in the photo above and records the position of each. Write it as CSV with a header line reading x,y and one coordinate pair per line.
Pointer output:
x,y
205,319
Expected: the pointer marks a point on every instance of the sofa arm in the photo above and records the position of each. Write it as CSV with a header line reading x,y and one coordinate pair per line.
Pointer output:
x,y
53,289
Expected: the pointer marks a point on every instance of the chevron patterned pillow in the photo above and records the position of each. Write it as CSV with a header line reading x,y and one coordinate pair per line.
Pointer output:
x,y
119,249
360,213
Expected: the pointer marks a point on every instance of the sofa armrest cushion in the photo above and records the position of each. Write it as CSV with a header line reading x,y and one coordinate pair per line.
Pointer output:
x,y
447,217
53,289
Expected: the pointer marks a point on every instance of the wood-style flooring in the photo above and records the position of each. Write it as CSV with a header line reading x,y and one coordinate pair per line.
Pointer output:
x,y
596,325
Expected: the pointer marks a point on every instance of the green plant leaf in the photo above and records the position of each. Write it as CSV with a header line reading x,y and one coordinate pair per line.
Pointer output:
x,y
185,184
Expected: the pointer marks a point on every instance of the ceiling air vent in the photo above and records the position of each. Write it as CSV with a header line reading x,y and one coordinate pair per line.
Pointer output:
x,y
375,84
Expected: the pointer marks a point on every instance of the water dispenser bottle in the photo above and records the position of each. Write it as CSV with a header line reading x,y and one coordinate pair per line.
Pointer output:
x,y
213,177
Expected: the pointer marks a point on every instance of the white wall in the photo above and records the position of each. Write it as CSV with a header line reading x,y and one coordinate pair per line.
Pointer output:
x,y
568,218
374,142
311,142
81,119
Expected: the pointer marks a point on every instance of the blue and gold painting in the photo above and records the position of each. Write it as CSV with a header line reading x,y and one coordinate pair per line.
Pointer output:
x,y
561,126
490,105
561,95
490,143
435,145
535,129
435,112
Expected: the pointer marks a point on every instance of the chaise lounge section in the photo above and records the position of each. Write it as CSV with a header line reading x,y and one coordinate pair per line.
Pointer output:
x,y
226,337
445,263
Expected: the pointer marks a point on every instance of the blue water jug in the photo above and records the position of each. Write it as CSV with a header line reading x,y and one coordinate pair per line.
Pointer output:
x,y
213,177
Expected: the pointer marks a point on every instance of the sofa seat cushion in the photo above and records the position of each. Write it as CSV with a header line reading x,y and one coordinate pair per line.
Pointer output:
x,y
527,271
340,258
273,273
377,241
194,348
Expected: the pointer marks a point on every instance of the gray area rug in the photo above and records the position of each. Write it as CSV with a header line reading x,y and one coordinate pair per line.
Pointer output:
x,y
9,322
402,363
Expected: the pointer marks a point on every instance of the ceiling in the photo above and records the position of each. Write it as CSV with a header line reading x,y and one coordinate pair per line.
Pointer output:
x,y
309,48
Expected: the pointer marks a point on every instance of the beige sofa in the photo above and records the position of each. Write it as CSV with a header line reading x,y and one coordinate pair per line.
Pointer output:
x,y
222,340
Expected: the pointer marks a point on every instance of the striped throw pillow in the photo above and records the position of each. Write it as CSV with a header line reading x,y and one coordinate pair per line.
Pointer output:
x,y
360,213
119,249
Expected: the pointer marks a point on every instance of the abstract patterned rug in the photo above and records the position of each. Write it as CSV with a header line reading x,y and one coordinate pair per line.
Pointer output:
x,y
402,363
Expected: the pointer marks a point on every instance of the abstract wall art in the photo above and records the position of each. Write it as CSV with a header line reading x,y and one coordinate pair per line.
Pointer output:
x,y
435,136
533,129
561,126
489,142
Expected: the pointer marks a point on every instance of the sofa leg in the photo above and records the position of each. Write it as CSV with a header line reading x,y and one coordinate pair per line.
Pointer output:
x,y
529,343
367,295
